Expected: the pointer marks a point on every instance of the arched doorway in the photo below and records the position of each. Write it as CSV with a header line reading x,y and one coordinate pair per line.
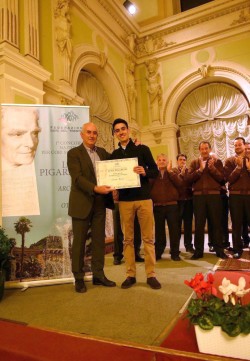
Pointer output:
x,y
94,95
215,112
187,83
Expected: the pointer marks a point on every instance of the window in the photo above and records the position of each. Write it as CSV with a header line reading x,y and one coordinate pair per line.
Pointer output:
x,y
190,4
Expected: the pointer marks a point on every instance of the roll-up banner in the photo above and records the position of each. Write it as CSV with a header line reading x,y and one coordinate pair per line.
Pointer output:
x,y
35,189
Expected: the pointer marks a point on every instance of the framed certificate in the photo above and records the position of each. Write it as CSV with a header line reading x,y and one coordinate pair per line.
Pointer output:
x,y
117,173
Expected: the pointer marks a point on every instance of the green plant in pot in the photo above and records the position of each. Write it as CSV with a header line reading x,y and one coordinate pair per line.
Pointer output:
x,y
6,244
207,310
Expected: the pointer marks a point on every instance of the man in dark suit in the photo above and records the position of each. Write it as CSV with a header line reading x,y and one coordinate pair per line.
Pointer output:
x,y
87,207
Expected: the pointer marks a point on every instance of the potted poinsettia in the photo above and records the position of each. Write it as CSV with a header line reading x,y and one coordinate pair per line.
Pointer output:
x,y
6,245
227,316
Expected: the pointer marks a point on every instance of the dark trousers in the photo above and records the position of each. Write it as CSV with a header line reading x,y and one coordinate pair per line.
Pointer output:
x,y
118,235
225,213
186,216
208,207
245,236
169,213
95,221
239,205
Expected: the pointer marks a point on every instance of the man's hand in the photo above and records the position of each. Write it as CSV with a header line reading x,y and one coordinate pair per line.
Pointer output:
x,y
139,170
210,163
248,164
183,170
239,162
137,142
103,189
213,155
169,166
202,164
115,194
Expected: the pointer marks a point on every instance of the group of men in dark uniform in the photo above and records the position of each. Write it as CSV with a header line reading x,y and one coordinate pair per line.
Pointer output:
x,y
208,190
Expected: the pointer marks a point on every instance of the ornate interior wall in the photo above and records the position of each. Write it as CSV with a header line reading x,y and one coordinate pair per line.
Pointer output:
x,y
146,70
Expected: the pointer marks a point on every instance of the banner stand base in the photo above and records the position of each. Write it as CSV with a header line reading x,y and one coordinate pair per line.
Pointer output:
x,y
50,282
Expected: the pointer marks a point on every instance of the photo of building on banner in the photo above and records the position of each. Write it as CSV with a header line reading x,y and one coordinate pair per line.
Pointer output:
x,y
35,188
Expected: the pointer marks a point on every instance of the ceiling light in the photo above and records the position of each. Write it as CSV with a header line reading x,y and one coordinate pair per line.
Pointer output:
x,y
130,7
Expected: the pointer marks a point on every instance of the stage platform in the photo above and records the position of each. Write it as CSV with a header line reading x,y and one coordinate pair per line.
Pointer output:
x,y
22,342
26,343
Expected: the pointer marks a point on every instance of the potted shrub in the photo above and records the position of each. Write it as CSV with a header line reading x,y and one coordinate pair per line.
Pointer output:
x,y
5,247
222,325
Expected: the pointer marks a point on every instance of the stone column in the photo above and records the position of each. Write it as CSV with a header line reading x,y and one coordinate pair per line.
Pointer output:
x,y
9,22
31,29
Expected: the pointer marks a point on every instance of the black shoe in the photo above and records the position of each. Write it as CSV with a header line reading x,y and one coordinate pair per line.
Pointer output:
x,y
170,252
190,249
211,249
221,255
153,283
103,281
117,261
196,256
138,258
175,258
80,286
237,255
129,282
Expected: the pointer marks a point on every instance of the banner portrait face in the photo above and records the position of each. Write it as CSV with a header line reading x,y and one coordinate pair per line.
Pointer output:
x,y
20,130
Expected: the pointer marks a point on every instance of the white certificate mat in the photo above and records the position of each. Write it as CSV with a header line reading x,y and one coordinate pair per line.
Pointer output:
x,y
117,173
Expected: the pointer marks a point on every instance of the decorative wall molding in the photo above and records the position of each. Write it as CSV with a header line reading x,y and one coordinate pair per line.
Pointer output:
x,y
168,34
244,17
154,90
62,27
228,73
204,70
115,15
61,92
151,44
216,10
8,57
183,32
131,88
157,133
164,136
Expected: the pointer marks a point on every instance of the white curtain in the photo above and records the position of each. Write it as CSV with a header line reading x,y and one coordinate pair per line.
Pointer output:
x,y
216,113
94,95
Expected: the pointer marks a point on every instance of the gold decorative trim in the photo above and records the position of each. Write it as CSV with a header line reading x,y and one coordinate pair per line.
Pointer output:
x,y
242,18
187,23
